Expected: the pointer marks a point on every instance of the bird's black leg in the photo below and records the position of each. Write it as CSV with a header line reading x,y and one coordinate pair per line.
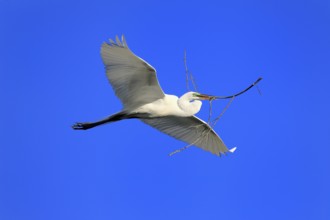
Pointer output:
x,y
112,118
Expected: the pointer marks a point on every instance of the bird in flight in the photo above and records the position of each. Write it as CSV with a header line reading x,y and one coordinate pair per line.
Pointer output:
x,y
135,83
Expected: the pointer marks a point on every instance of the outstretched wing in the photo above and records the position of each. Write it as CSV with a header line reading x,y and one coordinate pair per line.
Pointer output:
x,y
191,130
133,80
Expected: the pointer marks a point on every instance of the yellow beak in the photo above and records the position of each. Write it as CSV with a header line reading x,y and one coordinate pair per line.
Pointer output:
x,y
205,97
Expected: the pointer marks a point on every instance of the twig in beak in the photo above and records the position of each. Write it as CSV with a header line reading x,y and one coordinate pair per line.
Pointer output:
x,y
240,93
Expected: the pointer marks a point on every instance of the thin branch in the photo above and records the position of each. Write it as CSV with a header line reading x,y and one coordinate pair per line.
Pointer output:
x,y
192,144
223,111
180,150
259,91
186,69
240,93
189,75
210,112
193,81
183,148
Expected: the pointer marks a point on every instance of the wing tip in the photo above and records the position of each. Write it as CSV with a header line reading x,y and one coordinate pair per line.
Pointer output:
x,y
117,42
232,150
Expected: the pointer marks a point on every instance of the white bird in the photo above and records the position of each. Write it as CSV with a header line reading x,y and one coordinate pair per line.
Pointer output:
x,y
135,83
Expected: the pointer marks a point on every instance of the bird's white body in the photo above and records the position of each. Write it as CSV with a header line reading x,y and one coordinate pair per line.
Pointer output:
x,y
184,106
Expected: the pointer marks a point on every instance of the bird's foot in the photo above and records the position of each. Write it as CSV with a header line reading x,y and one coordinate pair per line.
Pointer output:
x,y
81,126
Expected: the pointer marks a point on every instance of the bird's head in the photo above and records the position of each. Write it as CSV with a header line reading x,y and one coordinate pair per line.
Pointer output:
x,y
191,102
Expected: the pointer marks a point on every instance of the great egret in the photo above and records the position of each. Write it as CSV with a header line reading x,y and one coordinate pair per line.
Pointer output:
x,y
135,83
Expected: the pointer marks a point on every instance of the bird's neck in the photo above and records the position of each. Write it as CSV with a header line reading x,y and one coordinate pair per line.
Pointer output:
x,y
189,106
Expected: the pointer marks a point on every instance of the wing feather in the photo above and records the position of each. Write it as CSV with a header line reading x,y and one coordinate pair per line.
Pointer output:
x,y
191,130
133,80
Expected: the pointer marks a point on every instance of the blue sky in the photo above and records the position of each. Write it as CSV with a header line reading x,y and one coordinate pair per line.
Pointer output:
x,y
51,76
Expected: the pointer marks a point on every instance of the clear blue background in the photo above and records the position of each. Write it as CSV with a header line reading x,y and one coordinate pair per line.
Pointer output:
x,y
51,76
